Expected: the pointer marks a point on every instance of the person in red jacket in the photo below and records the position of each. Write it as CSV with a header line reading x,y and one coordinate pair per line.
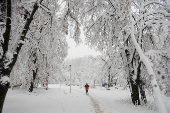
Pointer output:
x,y
87,88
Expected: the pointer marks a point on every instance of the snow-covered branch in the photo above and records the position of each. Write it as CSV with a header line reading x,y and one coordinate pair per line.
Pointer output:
x,y
46,9
153,2
164,13
110,2
90,9
98,19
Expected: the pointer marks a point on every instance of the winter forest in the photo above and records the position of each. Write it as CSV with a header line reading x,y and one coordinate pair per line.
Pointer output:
x,y
131,75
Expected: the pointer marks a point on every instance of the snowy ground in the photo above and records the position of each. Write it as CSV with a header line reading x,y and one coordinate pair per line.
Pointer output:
x,y
59,100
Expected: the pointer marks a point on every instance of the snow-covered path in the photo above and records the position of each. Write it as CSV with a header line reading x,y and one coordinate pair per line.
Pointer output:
x,y
59,100
95,103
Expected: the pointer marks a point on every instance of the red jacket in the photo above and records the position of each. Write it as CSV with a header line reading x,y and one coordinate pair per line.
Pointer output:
x,y
87,87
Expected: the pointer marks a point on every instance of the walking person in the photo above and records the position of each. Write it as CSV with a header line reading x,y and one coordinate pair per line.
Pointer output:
x,y
87,88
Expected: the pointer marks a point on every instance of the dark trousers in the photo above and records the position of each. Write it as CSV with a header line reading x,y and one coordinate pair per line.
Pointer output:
x,y
86,91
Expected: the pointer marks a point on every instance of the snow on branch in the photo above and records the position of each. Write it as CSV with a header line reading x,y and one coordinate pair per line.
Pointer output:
x,y
153,22
112,4
98,18
2,23
166,14
9,59
135,5
71,16
90,9
45,9
153,53
21,42
153,2
4,80
28,1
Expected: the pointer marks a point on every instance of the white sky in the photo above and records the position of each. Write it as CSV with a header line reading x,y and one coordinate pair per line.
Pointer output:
x,y
80,50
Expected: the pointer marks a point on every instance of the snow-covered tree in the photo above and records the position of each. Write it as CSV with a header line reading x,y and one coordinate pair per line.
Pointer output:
x,y
23,13
84,69
124,24
112,64
46,47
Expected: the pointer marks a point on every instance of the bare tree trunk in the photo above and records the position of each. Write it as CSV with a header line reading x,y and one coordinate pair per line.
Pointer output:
x,y
31,86
3,71
134,93
141,84
134,89
3,92
133,84
109,82
142,92
33,81
34,74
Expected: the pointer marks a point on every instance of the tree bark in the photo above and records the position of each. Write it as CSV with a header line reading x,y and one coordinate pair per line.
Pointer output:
x,y
134,92
3,71
134,87
33,81
34,74
109,82
31,87
3,92
141,84
142,92
133,84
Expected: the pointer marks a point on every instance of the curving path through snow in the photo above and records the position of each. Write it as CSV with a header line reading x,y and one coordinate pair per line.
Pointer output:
x,y
95,103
